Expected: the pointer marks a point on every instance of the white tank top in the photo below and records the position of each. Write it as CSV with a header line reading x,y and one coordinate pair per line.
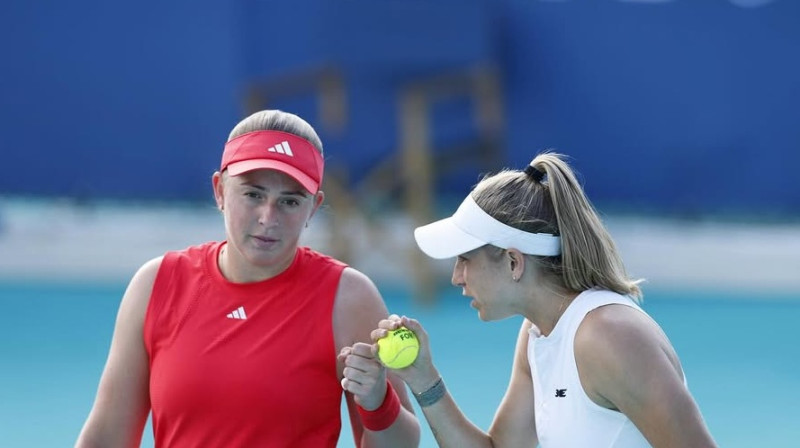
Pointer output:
x,y
565,415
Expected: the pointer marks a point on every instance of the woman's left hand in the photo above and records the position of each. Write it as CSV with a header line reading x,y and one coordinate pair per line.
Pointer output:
x,y
364,376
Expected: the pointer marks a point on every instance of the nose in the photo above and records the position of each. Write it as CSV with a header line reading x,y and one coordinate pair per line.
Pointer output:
x,y
268,213
458,277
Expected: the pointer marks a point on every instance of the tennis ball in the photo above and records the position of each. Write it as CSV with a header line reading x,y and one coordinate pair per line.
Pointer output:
x,y
399,348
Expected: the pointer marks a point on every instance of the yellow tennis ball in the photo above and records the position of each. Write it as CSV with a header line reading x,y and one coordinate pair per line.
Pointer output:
x,y
399,348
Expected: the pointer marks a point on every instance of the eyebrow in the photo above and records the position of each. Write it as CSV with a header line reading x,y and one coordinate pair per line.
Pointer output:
x,y
470,253
302,193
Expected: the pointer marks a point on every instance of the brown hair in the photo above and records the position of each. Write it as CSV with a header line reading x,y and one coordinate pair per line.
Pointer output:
x,y
589,258
277,120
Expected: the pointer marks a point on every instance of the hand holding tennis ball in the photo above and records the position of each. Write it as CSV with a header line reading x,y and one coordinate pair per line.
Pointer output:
x,y
399,348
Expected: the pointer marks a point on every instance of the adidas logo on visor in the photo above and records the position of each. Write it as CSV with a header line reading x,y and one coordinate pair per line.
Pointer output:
x,y
282,148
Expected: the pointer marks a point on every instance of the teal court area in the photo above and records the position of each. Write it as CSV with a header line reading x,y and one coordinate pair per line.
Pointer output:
x,y
739,352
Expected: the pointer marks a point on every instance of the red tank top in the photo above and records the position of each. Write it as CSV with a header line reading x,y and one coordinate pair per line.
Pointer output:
x,y
243,365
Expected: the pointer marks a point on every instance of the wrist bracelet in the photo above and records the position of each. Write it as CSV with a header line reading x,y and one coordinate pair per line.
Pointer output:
x,y
383,417
432,395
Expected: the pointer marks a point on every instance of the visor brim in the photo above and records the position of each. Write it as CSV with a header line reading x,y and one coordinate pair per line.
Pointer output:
x,y
237,168
443,239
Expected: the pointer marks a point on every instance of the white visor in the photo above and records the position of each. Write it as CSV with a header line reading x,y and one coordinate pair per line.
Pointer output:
x,y
470,228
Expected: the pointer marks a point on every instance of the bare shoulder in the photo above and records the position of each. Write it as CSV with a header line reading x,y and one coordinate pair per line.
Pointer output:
x,y
613,320
146,274
616,342
357,309
137,295
121,405
357,293
354,285
626,363
615,329
151,267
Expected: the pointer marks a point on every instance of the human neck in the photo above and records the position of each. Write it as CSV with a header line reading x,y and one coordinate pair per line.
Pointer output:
x,y
237,270
549,307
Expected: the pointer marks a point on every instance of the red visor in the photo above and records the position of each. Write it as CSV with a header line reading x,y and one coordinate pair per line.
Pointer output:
x,y
274,150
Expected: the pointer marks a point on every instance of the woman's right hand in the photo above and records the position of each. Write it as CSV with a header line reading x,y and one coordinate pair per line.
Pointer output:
x,y
421,374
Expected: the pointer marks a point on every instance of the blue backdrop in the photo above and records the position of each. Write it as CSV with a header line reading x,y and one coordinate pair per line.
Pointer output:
x,y
667,106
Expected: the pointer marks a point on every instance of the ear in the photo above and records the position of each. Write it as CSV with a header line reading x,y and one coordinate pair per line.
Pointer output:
x,y
319,198
516,263
217,185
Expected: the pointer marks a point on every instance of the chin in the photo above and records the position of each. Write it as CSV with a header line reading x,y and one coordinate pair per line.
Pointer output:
x,y
488,317
483,316
264,259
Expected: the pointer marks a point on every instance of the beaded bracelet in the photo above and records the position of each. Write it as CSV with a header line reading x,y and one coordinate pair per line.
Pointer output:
x,y
382,417
432,395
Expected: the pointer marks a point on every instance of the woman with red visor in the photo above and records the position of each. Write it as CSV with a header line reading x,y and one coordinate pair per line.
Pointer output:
x,y
250,341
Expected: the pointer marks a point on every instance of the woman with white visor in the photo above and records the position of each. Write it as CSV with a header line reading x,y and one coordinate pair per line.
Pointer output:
x,y
591,368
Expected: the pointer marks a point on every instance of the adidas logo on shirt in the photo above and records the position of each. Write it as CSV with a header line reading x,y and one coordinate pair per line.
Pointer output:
x,y
282,148
237,314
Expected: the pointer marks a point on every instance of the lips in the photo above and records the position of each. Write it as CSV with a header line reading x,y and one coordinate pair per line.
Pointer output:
x,y
264,241
265,238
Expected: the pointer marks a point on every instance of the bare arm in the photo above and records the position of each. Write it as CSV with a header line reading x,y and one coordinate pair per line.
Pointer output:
x,y
358,306
122,403
626,363
513,424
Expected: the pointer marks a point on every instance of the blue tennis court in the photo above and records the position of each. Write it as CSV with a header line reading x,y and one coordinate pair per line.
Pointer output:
x,y
740,354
